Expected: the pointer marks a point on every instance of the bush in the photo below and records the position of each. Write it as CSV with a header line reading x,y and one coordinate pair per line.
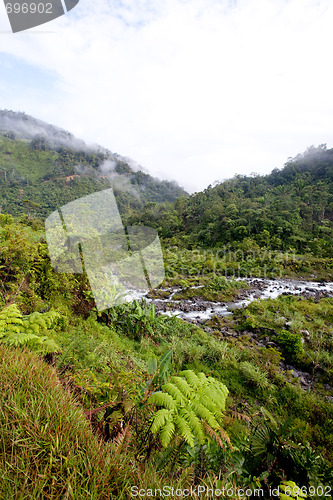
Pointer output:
x,y
291,344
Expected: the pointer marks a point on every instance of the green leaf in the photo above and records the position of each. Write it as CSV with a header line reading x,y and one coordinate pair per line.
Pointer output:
x,y
152,365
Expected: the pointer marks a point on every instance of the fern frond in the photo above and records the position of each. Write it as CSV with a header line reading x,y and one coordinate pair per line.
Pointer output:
x,y
167,432
10,319
182,386
217,435
205,414
195,424
163,399
184,430
240,416
202,377
191,378
161,418
16,330
224,435
217,392
122,440
210,405
174,392
211,433
169,459
40,322
48,345
20,339
190,402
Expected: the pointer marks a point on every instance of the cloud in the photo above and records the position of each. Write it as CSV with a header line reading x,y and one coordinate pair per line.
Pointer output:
x,y
117,181
28,127
195,90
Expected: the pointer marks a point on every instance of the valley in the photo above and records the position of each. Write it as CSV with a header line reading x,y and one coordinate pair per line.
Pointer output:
x,y
222,376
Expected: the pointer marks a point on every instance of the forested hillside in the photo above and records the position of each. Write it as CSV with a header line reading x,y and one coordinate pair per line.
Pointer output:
x,y
289,208
43,167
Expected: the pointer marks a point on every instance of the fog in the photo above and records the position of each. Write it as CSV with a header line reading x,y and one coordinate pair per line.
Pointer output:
x,y
27,127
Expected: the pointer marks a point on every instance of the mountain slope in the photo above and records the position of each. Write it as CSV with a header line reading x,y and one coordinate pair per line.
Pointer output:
x,y
43,167
291,208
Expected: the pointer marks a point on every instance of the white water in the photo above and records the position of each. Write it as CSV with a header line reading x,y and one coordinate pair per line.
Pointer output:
x,y
273,288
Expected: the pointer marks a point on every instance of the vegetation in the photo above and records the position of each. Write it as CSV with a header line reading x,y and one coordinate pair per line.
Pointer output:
x,y
94,404
40,173
289,209
158,400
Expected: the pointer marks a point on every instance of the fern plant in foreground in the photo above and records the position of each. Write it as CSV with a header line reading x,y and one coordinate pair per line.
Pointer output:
x,y
192,406
19,331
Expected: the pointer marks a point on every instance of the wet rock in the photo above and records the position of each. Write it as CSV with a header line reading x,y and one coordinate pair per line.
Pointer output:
x,y
303,381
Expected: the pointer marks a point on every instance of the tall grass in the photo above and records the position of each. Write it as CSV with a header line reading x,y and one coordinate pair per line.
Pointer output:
x,y
47,448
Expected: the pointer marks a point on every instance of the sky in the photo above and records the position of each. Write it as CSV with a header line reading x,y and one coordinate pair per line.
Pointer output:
x,y
193,90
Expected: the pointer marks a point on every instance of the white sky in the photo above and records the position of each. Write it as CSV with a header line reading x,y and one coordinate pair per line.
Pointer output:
x,y
193,90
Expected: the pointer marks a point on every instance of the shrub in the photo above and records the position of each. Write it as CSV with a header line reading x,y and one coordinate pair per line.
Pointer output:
x,y
291,344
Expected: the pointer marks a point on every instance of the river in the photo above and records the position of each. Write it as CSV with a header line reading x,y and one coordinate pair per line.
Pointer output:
x,y
198,310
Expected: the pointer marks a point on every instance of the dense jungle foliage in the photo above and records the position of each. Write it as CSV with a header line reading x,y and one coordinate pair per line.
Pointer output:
x,y
291,208
99,404
35,179
116,404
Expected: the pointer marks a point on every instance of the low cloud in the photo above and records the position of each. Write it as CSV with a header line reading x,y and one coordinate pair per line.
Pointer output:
x,y
119,181
28,127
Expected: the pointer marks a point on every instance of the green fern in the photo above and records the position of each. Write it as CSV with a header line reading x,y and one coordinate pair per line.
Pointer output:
x,y
21,338
192,407
38,323
10,321
19,331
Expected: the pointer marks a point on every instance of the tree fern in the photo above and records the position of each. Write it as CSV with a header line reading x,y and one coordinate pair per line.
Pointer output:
x,y
192,406
195,424
163,399
18,331
18,339
38,323
175,393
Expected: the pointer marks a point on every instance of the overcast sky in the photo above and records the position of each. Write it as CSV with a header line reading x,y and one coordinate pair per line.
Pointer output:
x,y
193,90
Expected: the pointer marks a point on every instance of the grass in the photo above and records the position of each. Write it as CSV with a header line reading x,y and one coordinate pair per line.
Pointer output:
x,y
47,448
302,328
